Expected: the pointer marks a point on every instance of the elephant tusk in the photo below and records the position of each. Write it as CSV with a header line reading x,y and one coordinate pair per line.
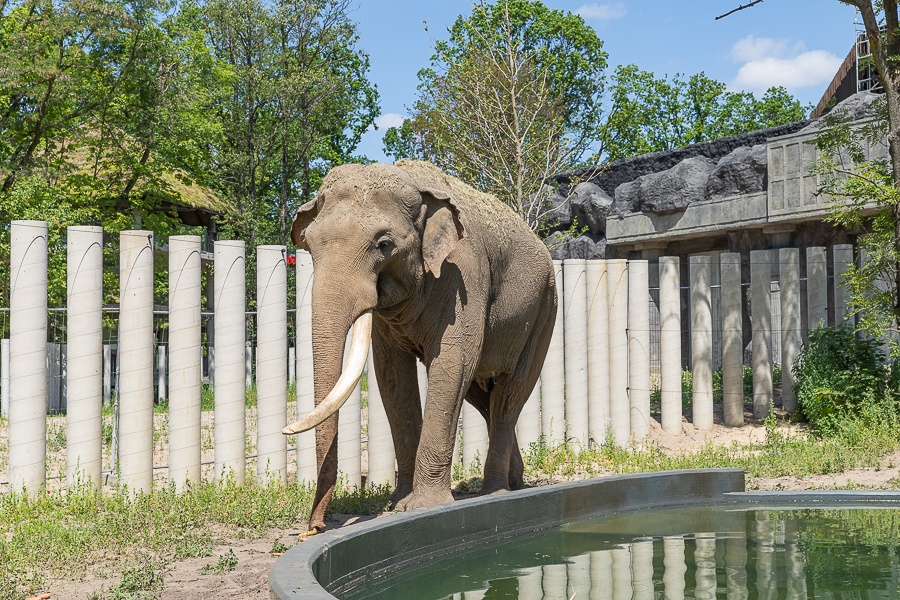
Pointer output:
x,y
360,337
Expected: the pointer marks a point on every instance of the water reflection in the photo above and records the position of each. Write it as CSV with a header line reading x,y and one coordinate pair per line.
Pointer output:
x,y
700,553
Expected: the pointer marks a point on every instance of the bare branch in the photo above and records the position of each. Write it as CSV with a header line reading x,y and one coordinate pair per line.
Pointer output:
x,y
742,7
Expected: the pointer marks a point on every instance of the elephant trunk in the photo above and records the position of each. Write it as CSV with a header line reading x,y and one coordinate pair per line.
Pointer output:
x,y
360,337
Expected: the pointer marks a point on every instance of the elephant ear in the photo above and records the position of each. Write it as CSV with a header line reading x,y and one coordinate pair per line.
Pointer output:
x,y
305,215
443,228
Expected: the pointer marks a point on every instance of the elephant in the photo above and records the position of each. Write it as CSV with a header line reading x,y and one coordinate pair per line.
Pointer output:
x,y
422,266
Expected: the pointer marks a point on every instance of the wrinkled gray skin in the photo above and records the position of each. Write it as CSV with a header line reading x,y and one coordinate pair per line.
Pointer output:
x,y
457,281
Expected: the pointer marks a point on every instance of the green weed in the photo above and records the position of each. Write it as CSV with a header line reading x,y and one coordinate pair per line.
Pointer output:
x,y
226,563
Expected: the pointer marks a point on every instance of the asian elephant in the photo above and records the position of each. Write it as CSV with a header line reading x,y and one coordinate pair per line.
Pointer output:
x,y
423,266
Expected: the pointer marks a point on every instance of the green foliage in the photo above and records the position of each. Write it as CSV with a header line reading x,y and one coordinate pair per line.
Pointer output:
x,y
225,564
841,377
649,114
139,582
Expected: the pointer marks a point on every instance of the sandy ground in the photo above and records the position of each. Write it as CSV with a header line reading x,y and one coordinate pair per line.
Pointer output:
x,y
249,579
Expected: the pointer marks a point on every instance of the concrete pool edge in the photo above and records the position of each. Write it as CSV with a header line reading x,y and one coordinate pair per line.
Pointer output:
x,y
351,555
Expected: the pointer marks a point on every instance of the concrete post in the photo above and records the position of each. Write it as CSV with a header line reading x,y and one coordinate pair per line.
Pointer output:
x,y
639,347
553,423
422,378
732,340
230,342
136,344
601,575
736,565
292,364
670,344
475,437
4,378
84,384
701,343
529,584
674,567
528,427
597,340
185,351
761,319
579,576
306,400
248,365
816,288
162,368
705,561
791,338
382,468
107,373
619,403
575,356
621,572
554,582
843,261
28,356
271,363
349,434
642,570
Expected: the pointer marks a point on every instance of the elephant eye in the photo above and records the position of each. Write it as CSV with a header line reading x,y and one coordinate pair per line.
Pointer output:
x,y
384,244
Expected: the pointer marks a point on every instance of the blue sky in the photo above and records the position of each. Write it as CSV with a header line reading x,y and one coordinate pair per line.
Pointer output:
x,y
798,44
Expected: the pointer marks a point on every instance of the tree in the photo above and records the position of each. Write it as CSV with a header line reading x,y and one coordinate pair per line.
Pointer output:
x,y
648,114
511,97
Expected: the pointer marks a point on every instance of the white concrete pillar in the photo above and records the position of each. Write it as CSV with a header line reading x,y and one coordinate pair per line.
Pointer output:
x,y
795,562
619,403
766,574
791,333
382,466
306,398
292,365
553,382
185,356
4,378
761,320
84,338
639,347
642,570
230,342
597,340
350,433
670,344
621,572
732,339
136,345
422,379
816,288
705,561
107,373
248,365
530,586
843,262
736,565
162,368
578,575
674,567
701,343
271,363
528,427
28,356
474,437
555,582
601,575
575,352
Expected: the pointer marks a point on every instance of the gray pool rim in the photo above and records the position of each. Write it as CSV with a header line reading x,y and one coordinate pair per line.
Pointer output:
x,y
352,555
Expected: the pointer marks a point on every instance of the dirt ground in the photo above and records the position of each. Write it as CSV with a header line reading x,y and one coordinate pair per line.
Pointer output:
x,y
249,579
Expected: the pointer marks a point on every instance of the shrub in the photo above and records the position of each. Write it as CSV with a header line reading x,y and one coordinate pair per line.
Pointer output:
x,y
841,376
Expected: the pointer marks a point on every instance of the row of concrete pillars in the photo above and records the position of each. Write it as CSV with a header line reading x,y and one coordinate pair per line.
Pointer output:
x,y
596,381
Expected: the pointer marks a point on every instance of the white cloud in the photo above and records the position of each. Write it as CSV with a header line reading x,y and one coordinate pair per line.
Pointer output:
x,y
767,62
602,12
388,120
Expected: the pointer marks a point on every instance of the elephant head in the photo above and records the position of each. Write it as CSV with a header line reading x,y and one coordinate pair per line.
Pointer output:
x,y
374,236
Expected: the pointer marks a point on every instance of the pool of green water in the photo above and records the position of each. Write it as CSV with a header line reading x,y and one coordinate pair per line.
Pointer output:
x,y
711,552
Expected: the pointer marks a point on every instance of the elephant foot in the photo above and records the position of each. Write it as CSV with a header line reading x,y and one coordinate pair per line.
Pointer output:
x,y
516,473
424,499
399,495
494,487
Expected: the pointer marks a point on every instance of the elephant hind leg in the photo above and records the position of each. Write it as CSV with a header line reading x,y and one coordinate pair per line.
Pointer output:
x,y
481,399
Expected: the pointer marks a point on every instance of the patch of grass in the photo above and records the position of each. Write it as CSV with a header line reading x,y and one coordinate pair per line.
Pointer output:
x,y
278,547
365,501
226,563
140,582
207,397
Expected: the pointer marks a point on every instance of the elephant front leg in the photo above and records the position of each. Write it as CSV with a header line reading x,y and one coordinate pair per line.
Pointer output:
x,y
447,382
399,387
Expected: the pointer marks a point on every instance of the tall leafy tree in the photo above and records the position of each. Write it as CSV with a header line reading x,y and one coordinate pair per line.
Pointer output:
x,y
648,114
512,96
